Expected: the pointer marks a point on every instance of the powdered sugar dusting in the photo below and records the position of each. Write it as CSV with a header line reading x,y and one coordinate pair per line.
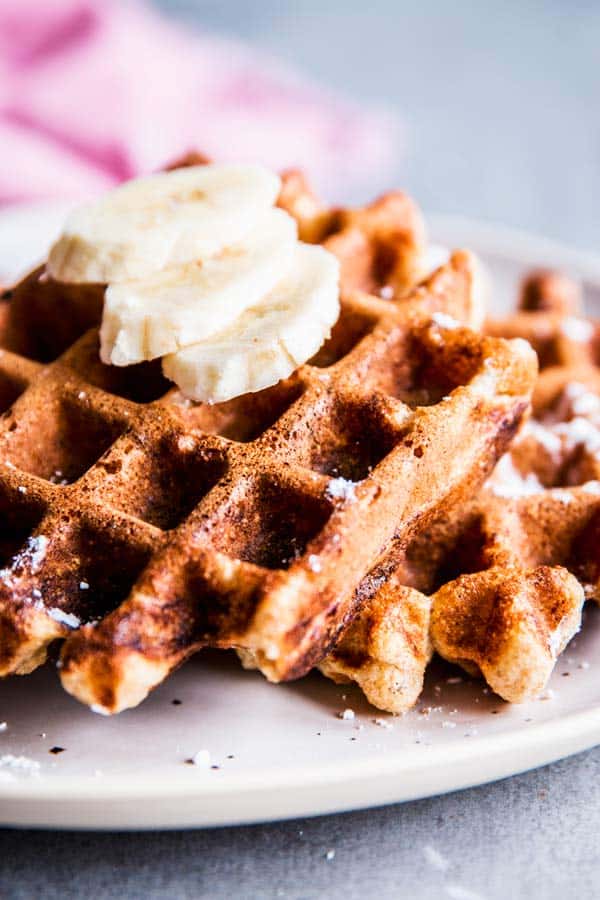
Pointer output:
x,y
383,723
314,563
201,759
542,435
582,401
507,481
22,764
341,489
64,618
555,641
30,558
579,432
576,329
444,320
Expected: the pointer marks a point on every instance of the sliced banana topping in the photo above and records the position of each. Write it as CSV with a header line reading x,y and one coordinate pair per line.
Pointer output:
x,y
203,271
163,220
177,307
269,340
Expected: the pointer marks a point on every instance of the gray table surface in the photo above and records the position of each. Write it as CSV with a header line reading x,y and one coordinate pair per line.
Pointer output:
x,y
502,107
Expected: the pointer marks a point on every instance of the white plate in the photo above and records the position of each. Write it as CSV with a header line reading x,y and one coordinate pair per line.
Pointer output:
x,y
283,751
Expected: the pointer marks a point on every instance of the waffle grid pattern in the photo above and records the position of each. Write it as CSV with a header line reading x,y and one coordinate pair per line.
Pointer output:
x,y
167,526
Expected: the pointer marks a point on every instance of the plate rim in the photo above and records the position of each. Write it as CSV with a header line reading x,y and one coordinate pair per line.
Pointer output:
x,y
258,798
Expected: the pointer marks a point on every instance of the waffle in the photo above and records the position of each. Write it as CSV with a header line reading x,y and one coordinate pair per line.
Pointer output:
x,y
550,318
386,649
140,527
506,575
380,247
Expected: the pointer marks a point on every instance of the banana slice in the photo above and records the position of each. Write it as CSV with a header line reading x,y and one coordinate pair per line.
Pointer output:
x,y
163,220
181,306
269,340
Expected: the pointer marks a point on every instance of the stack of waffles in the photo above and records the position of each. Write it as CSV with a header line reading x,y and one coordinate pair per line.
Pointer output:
x,y
350,518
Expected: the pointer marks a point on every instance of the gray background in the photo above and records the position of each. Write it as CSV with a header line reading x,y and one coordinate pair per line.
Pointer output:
x,y
501,101
502,109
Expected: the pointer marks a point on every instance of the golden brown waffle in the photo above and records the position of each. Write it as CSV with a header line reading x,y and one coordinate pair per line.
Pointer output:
x,y
167,526
507,572
550,318
386,648
380,246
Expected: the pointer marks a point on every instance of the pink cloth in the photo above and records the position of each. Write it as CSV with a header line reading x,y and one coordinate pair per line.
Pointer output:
x,y
96,91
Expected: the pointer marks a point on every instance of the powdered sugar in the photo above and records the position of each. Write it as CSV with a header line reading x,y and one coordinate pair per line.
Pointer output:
x,y
582,402
573,425
64,618
579,432
22,764
29,558
201,758
444,320
314,563
543,435
555,641
32,555
508,482
548,694
562,495
383,723
579,330
341,489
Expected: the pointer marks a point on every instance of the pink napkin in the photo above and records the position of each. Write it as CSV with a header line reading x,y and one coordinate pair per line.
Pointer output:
x,y
96,91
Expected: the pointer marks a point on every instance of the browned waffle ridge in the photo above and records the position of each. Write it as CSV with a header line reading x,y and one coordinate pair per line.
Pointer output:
x,y
167,526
